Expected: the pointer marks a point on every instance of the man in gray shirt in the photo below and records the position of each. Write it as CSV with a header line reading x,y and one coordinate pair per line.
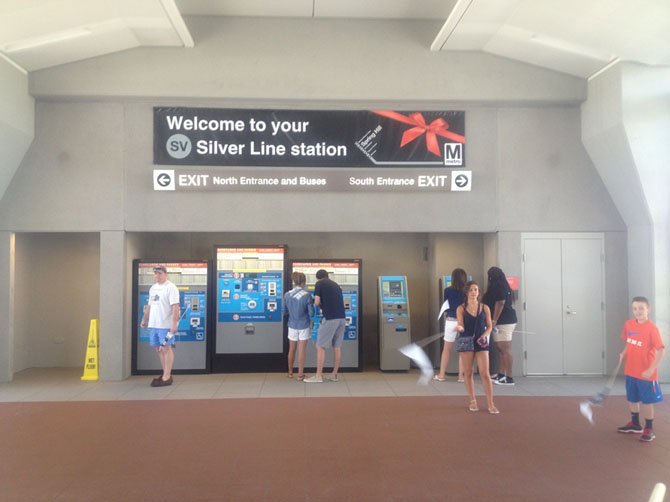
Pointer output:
x,y
328,296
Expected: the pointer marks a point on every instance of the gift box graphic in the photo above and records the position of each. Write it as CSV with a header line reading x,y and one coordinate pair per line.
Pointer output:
x,y
416,138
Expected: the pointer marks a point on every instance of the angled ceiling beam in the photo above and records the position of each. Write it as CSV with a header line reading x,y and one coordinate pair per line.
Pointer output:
x,y
14,64
178,23
450,24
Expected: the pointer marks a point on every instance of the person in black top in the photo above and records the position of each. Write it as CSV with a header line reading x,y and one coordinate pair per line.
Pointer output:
x,y
328,296
474,322
498,297
455,296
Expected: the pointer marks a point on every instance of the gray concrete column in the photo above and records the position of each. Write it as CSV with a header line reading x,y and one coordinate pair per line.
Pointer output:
x,y
625,126
114,334
7,261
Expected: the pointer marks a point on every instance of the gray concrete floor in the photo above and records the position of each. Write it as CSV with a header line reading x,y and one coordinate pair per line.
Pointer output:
x,y
64,384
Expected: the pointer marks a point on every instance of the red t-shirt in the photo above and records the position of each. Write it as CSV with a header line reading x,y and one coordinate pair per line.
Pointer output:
x,y
642,342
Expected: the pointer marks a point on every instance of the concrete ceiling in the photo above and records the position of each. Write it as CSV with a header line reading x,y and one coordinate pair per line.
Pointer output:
x,y
577,37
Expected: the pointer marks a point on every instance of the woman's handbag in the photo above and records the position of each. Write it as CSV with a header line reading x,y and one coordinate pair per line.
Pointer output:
x,y
465,343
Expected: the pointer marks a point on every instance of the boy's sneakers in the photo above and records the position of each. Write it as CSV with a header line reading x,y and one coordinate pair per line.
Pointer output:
x,y
496,376
631,428
647,435
504,380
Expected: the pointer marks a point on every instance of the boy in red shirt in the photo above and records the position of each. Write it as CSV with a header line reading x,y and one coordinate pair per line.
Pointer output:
x,y
643,352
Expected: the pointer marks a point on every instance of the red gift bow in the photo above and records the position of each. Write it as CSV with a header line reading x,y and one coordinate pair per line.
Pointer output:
x,y
437,127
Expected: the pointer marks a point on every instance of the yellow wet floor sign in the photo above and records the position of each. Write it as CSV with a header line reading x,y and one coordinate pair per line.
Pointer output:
x,y
91,363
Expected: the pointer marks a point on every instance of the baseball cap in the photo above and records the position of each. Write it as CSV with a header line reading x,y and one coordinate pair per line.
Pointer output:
x,y
160,268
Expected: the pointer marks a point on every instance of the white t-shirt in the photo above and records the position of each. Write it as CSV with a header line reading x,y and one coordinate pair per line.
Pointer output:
x,y
161,299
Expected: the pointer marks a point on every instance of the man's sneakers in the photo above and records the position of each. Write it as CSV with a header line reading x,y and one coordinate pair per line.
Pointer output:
x,y
631,428
503,380
647,435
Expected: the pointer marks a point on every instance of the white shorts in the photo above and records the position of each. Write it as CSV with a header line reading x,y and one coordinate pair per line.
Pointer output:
x,y
450,330
299,334
504,333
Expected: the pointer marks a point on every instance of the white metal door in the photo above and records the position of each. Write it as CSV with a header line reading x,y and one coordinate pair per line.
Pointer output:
x,y
563,300
583,306
542,302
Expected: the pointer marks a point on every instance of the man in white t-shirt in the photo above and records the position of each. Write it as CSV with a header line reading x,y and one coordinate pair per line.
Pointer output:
x,y
161,316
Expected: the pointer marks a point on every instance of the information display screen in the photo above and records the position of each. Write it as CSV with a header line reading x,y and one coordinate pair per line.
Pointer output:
x,y
393,289
249,284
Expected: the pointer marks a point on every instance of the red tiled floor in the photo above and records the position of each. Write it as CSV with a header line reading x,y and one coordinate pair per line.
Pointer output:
x,y
396,448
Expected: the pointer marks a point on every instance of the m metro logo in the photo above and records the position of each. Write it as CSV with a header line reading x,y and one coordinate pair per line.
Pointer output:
x,y
453,154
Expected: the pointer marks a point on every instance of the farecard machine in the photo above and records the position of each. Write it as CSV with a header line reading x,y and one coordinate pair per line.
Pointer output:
x,y
348,274
248,308
394,322
192,281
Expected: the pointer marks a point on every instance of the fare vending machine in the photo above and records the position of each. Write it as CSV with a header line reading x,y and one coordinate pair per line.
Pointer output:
x,y
348,274
394,322
249,322
192,281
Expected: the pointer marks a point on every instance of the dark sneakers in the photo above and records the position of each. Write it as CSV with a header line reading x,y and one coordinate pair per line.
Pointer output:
x,y
159,382
647,435
504,380
631,428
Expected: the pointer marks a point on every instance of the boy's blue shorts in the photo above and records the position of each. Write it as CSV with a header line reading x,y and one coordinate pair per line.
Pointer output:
x,y
157,335
642,391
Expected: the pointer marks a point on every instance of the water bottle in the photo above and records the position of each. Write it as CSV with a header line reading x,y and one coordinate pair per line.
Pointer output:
x,y
168,337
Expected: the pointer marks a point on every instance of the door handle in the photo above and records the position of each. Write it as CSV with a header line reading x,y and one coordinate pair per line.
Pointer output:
x,y
573,312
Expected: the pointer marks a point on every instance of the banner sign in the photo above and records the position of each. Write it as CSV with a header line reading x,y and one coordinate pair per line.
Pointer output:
x,y
308,138
189,179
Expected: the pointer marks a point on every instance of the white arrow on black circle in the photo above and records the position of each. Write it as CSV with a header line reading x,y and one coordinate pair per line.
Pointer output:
x,y
163,179
461,180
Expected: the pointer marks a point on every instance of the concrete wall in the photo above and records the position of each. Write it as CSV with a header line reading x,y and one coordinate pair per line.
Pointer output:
x,y
56,296
17,120
89,169
625,126
264,62
7,303
95,176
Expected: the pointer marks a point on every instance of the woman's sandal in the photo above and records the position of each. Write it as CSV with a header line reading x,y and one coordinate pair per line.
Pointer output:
x,y
473,405
301,378
493,410
290,375
438,378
